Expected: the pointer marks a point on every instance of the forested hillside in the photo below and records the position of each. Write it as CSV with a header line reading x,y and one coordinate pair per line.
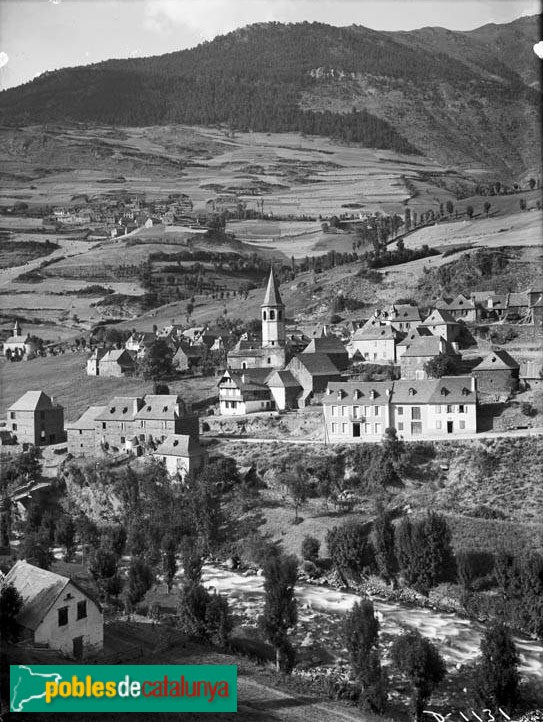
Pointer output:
x,y
350,83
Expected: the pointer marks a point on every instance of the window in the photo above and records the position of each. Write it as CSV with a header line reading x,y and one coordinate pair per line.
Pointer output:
x,y
80,432
14,427
272,315
367,428
269,359
344,428
366,410
334,410
12,414
416,427
376,410
123,439
335,428
103,424
378,428
400,410
263,315
462,424
63,616
344,411
82,609
438,424
356,412
462,409
278,315
450,408
415,413
437,409
400,426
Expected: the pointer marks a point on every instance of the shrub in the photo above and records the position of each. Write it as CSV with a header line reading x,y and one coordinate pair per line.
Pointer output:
x,y
310,548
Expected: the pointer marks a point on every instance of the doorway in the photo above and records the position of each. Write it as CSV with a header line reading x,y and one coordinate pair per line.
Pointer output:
x,y
449,427
78,647
356,430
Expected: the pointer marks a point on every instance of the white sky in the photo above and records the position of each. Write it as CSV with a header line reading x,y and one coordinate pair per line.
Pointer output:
x,y
40,35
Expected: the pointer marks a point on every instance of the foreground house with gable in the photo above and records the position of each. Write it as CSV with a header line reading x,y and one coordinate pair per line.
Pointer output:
x,y
57,611
36,419
182,455
357,411
497,373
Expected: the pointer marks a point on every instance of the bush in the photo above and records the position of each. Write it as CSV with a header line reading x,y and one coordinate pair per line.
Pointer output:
x,y
310,548
527,409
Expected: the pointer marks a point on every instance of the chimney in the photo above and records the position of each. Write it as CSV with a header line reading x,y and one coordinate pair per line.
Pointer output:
x,y
473,384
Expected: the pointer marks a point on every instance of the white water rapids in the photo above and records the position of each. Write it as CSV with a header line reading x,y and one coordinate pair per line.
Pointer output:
x,y
458,639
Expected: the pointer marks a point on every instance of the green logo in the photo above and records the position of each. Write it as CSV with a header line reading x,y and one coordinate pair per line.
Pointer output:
x,y
123,688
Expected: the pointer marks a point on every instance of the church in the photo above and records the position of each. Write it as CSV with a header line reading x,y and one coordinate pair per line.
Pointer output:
x,y
272,352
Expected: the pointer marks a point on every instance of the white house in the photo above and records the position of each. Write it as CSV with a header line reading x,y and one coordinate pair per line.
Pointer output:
x,y
376,343
19,345
357,411
244,392
56,611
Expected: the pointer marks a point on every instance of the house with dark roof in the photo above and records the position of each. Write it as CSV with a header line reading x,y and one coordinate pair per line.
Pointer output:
x,y
162,415
244,392
182,455
375,342
332,346
412,335
116,422
490,306
93,362
357,411
117,363
461,308
403,316
442,323
57,611
188,357
313,371
419,352
497,373
36,419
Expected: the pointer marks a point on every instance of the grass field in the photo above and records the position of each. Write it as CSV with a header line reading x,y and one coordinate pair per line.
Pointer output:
x,y
64,377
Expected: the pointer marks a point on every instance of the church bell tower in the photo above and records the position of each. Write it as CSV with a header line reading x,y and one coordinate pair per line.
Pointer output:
x,y
273,316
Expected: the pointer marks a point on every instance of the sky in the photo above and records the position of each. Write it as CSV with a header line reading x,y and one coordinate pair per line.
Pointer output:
x,y
41,35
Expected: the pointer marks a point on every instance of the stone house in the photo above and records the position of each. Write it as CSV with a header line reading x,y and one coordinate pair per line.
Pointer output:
x,y
81,434
419,352
442,323
93,362
117,362
182,455
57,611
116,422
313,371
376,343
460,308
403,316
497,373
188,357
162,415
333,347
36,419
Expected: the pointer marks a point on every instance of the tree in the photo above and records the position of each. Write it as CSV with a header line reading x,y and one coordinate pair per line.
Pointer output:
x,y
487,206
11,603
444,364
169,559
280,611
65,535
382,540
531,183
157,363
140,580
218,620
103,564
361,634
310,548
350,550
35,549
469,211
496,675
420,662
450,207
297,486
522,204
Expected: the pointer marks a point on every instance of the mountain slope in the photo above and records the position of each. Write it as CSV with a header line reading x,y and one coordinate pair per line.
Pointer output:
x,y
457,97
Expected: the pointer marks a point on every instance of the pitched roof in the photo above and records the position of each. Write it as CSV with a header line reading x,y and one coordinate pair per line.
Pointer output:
x,y
33,401
179,445
375,333
189,351
39,589
159,406
415,333
406,312
438,317
325,344
497,360
446,390
117,355
458,303
427,346
282,379
375,393
248,379
272,297
318,364
121,408
87,418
